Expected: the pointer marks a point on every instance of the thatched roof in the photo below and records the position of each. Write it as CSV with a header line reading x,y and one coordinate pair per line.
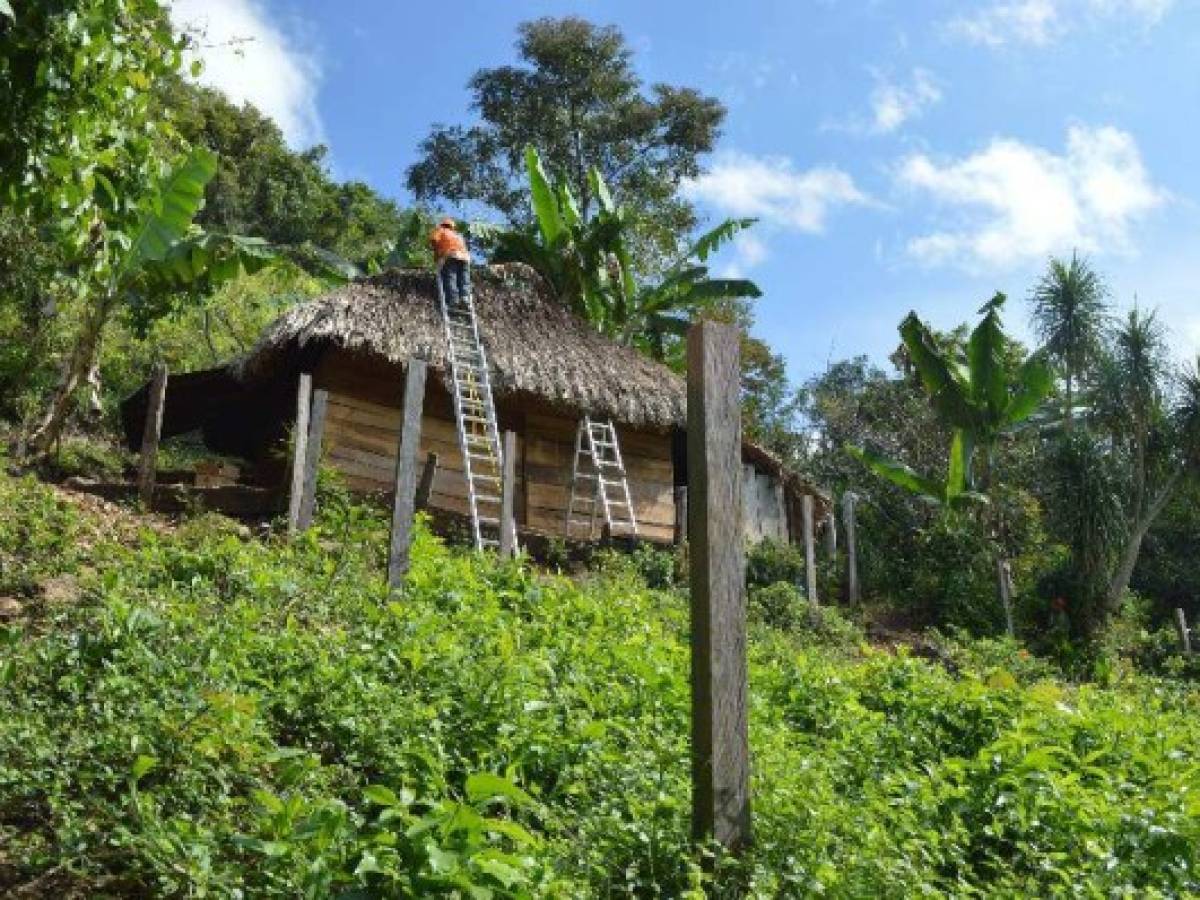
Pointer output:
x,y
535,345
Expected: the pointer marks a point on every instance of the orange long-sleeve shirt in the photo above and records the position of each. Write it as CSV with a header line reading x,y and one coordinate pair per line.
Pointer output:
x,y
448,243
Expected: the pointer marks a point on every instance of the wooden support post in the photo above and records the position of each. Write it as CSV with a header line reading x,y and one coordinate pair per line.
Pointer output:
x,y
508,488
850,526
1185,636
148,463
299,451
681,515
831,536
312,458
720,740
406,471
810,550
425,488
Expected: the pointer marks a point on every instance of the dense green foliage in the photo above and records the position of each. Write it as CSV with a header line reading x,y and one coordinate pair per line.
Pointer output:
x,y
211,714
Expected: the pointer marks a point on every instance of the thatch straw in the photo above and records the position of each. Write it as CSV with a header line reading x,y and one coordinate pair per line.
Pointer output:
x,y
535,345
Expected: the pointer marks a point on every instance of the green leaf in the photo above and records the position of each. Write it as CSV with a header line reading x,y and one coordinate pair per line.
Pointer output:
x,y
484,786
1034,382
141,766
947,391
898,473
511,830
985,357
712,241
543,200
381,795
168,216
600,191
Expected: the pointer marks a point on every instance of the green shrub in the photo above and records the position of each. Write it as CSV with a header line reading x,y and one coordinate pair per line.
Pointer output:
x,y
231,717
779,605
770,561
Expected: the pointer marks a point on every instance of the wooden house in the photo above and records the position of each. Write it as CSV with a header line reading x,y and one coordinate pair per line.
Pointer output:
x,y
549,369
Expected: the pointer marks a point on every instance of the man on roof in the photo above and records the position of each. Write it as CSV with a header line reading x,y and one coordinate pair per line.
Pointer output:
x,y
450,251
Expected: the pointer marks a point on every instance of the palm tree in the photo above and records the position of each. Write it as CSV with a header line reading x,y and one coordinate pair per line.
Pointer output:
x,y
1157,430
1070,316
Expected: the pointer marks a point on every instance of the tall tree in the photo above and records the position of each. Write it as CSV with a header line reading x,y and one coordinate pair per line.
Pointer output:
x,y
1152,419
575,96
1070,315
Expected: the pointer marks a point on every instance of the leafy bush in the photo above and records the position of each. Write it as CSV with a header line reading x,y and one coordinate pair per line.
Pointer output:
x,y
229,717
769,562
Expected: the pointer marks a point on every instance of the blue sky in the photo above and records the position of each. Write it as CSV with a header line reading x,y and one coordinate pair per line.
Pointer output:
x,y
900,154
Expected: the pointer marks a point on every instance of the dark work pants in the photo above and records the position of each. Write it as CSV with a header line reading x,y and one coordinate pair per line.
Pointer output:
x,y
456,280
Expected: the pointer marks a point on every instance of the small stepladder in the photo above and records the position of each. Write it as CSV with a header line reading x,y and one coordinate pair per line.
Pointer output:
x,y
597,471
475,416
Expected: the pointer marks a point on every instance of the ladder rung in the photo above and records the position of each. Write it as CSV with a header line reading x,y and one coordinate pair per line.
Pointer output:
x,y
486,498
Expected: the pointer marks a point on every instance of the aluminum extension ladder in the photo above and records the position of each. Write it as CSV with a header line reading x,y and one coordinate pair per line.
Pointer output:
x,y
598,464
475,416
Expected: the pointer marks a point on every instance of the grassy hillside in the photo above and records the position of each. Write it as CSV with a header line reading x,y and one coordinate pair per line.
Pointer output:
x,y
194,711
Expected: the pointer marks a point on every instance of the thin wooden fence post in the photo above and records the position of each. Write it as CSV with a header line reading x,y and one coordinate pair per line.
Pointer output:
x,y
312,458
1185,636
810,550
508,487
720,740
406,472
299,451
831,540
681,515
1004,574
425,488
850,527
148,462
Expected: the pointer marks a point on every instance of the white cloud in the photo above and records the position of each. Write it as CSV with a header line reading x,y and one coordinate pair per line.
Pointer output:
x,y
748,251
1012,202
1041,22
772,189
894,104
248,57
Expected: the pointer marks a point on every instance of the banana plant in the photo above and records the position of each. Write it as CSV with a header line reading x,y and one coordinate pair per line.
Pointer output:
x,y
588,262
979,398
161,256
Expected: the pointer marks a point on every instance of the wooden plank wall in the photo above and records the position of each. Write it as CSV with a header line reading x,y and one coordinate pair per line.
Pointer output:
x,y
549,452
363,421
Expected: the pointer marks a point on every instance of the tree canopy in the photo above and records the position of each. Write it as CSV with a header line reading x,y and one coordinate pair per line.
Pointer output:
x,y
576,96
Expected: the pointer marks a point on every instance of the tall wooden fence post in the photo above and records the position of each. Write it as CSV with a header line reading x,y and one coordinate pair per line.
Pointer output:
x,y
720,740
299,451
403,503
148,462
831,541
508,487
850,527
810,550
1185,636
312,459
